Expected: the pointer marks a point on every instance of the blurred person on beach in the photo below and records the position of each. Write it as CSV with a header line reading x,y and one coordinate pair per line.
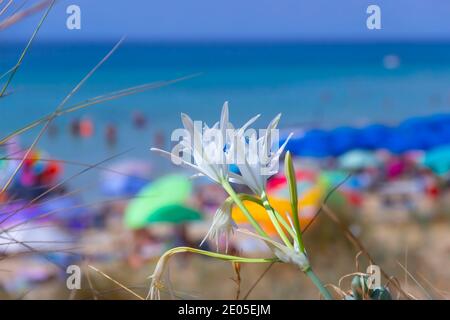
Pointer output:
x,y
181,238
86,128
395,168
111,134
142,238
430,183
83,127
159,140
75,127
139,120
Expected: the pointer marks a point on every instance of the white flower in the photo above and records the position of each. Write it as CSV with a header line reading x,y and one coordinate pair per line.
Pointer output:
x,y
207,147
212,149
257,161
223,224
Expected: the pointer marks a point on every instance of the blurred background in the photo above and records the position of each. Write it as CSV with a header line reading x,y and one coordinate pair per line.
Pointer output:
x,y
369,109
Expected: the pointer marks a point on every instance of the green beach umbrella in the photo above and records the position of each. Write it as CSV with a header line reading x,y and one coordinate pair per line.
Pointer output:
x,y
174,214
331,178
166,191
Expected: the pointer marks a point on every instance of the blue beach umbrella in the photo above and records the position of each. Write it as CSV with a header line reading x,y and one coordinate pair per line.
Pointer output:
x,y
438,132
373,136
415,131
399,141
314,143
343,139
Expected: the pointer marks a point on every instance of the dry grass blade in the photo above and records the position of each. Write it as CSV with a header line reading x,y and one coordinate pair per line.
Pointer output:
x,y
327,197
7,5
24,13
415,281
60,184
336,289
8,72
77,163
33,250
14,19
91,285
116,282
114,290
357,260
355,241
349,275
52,212
58,108
89,74
442,293
237,280
258,280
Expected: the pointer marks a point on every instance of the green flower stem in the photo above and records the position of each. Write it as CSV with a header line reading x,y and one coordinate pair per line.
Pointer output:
x,y
220,256
274,220
226,185
281,219
293,194
325,293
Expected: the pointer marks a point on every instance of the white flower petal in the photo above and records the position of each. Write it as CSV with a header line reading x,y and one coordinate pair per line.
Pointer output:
x,y
187,122
223,224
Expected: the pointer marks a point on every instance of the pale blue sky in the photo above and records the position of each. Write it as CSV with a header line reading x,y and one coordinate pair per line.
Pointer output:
x,y
221,20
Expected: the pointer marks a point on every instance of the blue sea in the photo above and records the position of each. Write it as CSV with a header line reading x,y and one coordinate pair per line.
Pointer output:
x,y
311,84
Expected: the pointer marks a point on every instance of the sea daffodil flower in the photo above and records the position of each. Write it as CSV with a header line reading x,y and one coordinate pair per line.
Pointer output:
x,y
254,172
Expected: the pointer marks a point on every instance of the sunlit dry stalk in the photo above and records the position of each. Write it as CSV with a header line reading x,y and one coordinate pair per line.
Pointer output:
x,y
237,279
415,281
442,293
117,282
7,5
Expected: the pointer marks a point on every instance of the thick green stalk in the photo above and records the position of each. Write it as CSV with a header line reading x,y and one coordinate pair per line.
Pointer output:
x,y
292,182
325,293
276,224
226,185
